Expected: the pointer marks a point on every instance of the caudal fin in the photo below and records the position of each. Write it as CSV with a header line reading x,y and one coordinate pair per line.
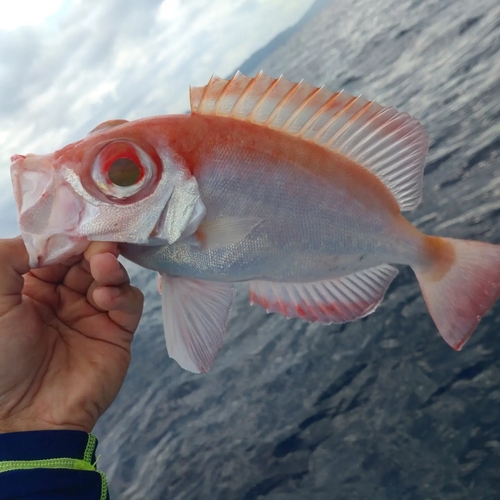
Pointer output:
x,y
460,286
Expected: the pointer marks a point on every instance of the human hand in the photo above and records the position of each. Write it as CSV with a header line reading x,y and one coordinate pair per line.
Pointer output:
x,y
65,337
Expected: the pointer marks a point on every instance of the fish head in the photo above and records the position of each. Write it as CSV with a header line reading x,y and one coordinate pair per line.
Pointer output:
x,y
112,186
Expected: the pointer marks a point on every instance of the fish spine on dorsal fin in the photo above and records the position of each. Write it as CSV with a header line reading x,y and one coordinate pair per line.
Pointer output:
x,y
391,144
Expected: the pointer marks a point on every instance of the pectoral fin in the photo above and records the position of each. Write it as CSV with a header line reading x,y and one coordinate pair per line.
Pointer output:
x,y
195,314
223,232
333,301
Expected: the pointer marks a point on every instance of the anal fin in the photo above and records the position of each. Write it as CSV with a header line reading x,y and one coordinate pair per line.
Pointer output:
x,y
331,301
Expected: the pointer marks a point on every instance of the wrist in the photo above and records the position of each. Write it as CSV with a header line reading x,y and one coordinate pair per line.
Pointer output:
x,y
20,424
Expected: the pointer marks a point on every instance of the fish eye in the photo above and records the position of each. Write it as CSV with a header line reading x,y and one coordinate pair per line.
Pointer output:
x,y
123,170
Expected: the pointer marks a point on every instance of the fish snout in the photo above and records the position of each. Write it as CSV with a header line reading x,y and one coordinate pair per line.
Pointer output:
x,y
16,157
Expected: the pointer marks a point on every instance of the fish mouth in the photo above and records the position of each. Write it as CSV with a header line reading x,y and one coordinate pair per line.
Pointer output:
x,y
49,211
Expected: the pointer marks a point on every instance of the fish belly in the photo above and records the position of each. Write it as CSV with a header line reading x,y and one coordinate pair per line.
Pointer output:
x,y
310,229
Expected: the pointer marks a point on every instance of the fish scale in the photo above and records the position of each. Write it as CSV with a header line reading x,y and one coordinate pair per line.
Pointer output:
x,y
324,244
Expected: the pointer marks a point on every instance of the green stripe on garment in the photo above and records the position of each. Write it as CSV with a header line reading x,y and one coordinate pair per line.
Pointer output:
x,y
104,486
87,456
89,449
48,463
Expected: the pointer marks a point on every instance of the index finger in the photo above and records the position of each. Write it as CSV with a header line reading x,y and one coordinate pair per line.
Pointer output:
x,y
97,247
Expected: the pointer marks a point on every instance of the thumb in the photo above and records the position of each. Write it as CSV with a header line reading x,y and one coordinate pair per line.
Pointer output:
x,y
14,262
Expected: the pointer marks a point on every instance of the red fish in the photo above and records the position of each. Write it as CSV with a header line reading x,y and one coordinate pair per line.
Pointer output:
x,y
295,189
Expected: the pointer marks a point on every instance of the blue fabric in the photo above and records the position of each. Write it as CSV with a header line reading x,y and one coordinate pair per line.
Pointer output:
x,y
47,484
37,445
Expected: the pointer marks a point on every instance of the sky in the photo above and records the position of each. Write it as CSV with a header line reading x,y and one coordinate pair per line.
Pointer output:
x,y
68,65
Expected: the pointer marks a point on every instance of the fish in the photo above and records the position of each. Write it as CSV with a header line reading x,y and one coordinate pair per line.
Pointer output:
x,y
296,189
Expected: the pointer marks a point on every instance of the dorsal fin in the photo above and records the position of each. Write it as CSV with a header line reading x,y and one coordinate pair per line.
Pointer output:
x,y
107,124
390,144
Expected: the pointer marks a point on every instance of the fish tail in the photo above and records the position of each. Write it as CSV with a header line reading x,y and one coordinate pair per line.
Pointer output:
x,y
460,282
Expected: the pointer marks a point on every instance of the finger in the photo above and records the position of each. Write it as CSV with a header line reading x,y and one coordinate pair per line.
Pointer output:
x,y
78,279
14,262
125,298
55,273
51,274
107,271
97,247
124,304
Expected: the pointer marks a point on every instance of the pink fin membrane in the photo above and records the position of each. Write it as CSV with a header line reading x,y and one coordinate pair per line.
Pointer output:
x,y
334,301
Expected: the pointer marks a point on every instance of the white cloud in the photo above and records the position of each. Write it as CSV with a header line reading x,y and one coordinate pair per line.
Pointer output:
x,y
95,60
27,12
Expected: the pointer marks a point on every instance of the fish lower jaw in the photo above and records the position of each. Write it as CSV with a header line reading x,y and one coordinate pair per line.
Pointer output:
x,y
45,251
